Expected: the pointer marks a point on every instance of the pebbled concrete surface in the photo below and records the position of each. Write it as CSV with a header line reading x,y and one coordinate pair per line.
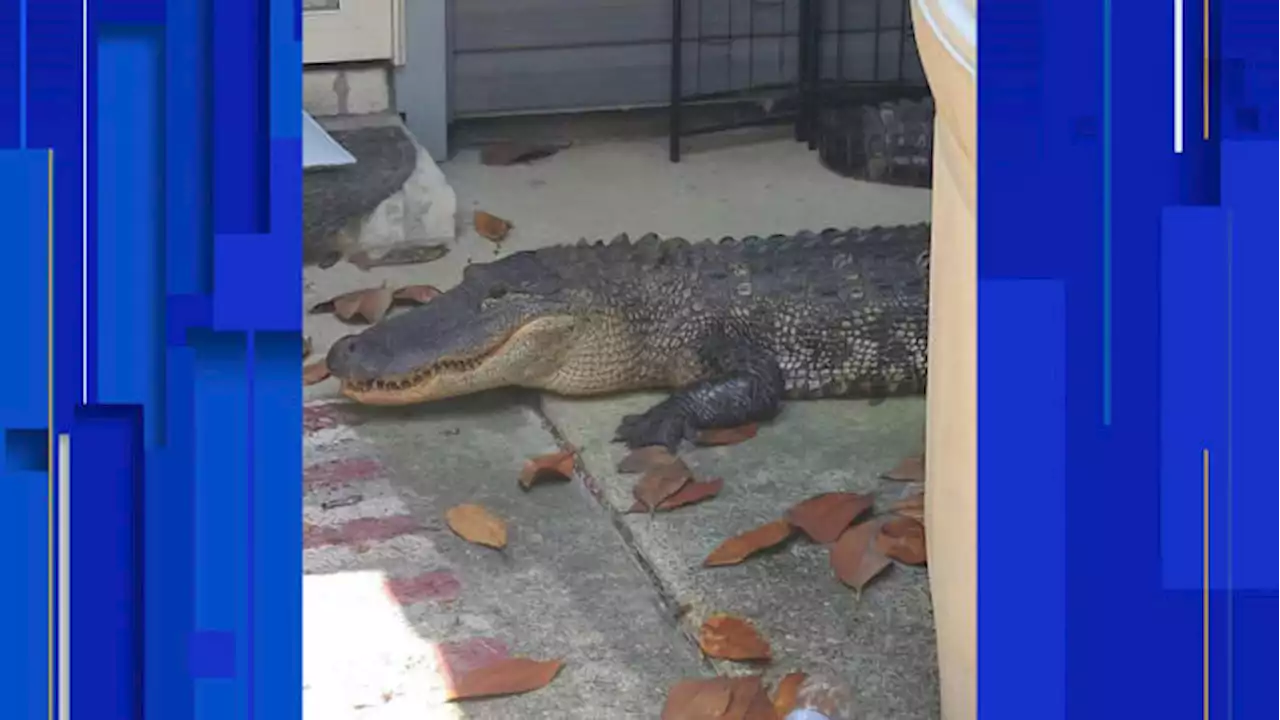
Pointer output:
x,y
393,601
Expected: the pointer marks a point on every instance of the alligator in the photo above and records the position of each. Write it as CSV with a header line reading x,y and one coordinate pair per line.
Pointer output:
x,y
733,327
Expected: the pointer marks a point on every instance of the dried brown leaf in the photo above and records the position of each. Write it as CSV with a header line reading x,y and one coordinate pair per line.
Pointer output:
x,y
375,303
415,294
552,467
504,677
787,692
902,539
645,458
693,492
660,483
306,347
475,524
370,305
727,436
911,469
750,700
911,506
740,547
317,371
730,637
512,153
405,254
698,699
854,557
491,227
823,517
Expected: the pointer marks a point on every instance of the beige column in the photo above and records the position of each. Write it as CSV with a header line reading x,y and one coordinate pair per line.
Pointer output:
x,y
946,36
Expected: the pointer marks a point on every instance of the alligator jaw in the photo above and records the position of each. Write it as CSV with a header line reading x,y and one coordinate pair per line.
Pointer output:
x,y
373,395
524,355
382,393
449,377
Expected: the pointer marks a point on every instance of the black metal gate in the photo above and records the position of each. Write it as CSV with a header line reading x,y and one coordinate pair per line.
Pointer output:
x,y
794,58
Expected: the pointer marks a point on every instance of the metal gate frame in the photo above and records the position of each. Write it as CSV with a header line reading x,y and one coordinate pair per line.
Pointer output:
x,y
812,88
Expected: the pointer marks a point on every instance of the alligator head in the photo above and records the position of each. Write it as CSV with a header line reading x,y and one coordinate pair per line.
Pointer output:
x,y
486,333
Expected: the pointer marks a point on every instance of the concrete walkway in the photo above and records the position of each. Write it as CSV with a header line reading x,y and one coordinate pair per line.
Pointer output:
x,y
394,602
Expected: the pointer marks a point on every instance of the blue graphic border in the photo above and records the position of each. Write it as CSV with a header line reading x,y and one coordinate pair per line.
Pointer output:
x,y
135,230
1144,582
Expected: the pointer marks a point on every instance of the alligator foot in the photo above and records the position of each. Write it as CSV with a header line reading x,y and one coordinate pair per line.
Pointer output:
x,y
665,424
746,387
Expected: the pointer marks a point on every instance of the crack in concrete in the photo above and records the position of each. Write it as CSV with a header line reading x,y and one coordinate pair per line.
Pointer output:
x,y
668,605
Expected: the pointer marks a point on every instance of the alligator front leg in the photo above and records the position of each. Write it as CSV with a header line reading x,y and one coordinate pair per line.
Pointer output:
x,y
746,386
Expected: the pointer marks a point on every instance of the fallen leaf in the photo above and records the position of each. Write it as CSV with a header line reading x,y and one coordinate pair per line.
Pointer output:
x,y
477,525
854,557
406,254
645,458
787,692
504,677
306,347
552,467
512,153
729,637
317,371
371,304
491,227
911,506
693,492
902,539
698,699
909,470
415,294
660,483
823,517
740,547
727,436
750,700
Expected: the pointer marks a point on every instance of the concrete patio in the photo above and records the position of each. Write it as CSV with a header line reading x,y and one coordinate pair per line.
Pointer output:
x,y
393,600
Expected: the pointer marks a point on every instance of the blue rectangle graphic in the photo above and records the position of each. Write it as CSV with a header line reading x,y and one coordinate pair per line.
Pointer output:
x,y
1249,191
1193,387
1022,498
106,562
12,71
26,203
241,83
276,589
26,640
26,474
129,299
221,551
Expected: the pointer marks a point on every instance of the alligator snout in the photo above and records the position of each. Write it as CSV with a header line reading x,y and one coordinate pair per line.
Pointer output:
x,y
342,359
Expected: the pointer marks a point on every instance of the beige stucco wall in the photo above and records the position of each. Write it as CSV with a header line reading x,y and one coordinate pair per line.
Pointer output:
x,y
946,37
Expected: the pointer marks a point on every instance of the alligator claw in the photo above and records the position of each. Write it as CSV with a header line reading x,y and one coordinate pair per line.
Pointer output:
x,y
660,425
